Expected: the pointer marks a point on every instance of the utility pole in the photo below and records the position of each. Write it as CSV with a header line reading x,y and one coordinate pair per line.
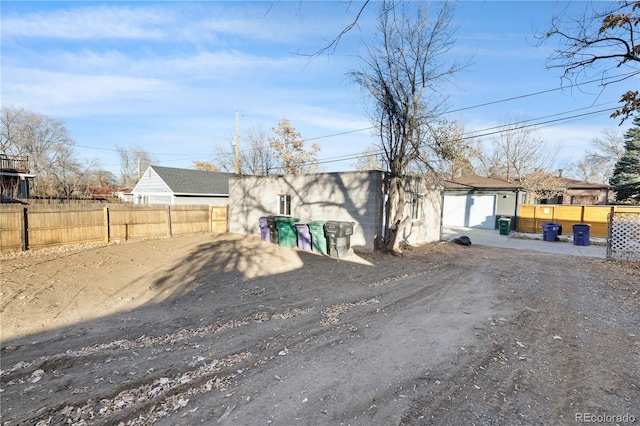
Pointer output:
x,y
237,148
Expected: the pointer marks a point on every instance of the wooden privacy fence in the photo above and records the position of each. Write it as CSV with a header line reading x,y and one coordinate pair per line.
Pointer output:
x,y
532,216
39,226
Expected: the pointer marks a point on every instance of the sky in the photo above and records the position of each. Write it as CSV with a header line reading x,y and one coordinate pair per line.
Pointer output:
x,y
178,78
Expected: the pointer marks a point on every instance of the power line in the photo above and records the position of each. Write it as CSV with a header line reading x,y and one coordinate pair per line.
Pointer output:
x,y
192,156
542,92
486,132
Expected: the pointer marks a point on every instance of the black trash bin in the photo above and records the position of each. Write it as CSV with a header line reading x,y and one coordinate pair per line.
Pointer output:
x,y
273,228
339,234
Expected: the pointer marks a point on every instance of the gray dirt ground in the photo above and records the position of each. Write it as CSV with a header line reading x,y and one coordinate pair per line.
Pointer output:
x,y
222,329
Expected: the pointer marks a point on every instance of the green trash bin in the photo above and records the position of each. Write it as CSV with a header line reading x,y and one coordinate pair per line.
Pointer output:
x,y
504,224
318,238
287,236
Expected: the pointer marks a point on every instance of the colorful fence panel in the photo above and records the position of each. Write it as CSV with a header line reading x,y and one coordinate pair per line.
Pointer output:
x,y
532,216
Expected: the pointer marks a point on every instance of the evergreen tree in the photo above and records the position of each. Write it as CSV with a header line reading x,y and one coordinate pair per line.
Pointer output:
x,y
626,174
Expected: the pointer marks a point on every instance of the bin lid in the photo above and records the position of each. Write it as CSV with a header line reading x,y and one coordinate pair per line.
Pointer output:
x,y
317,222
286,219
340,223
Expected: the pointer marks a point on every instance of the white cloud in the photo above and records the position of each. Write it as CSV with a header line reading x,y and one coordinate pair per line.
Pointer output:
x,y
183,21
96,22
64,93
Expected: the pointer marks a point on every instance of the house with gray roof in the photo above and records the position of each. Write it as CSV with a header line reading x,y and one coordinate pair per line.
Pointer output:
x,y
173,186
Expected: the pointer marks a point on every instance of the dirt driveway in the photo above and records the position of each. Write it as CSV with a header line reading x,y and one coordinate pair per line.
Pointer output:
x,y
222,329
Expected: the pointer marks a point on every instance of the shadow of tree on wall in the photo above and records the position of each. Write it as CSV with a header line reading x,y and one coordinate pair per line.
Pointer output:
x,y
357,197
353,196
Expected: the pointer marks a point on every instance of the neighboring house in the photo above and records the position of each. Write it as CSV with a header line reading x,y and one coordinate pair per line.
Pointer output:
x,y
357,197
14,177
580,193
110,194
478,202
168,185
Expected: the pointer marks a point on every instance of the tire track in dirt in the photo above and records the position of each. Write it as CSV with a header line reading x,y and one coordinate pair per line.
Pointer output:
x,y
429,337
543,362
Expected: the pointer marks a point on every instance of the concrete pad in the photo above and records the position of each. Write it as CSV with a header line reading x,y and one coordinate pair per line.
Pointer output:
x,y
532,242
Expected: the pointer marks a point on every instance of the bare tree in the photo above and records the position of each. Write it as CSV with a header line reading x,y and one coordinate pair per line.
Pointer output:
x,y
520,156
587,171
290,149
42,139
205,166
68,176
98,178
369,160
133,162
404,72
453,153
543,184
255,158
517,151
597,165
333,44
260,158
602,40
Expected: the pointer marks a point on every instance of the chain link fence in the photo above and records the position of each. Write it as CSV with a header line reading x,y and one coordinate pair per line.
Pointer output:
x,y
623,236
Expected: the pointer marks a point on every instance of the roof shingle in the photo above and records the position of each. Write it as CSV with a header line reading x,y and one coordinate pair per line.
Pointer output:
x,y
186,181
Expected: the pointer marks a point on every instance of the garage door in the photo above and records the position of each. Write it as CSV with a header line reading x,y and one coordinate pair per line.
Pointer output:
x,y
471,211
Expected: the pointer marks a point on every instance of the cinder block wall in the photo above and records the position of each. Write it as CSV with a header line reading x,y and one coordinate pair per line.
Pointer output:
x,y
345,196
427,228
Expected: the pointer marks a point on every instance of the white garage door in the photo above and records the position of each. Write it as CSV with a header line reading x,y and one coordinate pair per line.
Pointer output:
x,y
471,211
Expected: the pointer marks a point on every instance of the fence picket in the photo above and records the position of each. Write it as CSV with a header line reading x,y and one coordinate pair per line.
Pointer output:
x,y
38,226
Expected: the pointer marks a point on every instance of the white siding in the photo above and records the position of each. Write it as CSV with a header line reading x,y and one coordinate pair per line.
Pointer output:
x,y
200,201
471,211
150,189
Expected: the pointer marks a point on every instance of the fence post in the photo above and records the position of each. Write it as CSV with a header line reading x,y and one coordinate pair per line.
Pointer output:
x,y
106,225
24,229
169,233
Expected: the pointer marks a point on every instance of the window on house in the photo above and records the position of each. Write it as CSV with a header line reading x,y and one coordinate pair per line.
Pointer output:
x,y
285,204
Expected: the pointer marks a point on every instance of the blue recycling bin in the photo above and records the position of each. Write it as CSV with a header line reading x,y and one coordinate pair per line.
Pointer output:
x,y
581,233
550,231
